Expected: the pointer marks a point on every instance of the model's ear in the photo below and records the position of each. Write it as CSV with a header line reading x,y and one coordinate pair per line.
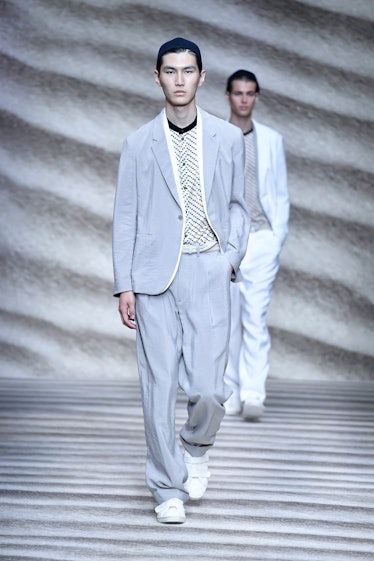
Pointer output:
x,y
157,79
202,77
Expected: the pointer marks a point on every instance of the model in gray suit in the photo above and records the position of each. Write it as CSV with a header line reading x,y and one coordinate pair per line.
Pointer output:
x,y
179,233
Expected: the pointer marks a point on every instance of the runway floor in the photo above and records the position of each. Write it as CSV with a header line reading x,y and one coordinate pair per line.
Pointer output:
x,y
296,486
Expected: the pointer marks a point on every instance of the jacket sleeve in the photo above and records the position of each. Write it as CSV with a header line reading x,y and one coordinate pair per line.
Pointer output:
x,y
280,223
124,221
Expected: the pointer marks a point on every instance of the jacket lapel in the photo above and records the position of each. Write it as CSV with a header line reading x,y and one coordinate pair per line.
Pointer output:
x,y
161,152
260,154
210,152
209,149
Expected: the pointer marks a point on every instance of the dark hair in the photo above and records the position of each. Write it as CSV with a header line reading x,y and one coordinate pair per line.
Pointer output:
x,y
245,75
179,45
198,59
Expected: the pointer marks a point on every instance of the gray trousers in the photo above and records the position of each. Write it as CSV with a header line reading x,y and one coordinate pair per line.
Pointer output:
x,y
182,340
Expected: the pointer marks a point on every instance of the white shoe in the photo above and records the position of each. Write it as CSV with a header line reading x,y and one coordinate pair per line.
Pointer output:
x,y
252,409
233,405
171,512
198,475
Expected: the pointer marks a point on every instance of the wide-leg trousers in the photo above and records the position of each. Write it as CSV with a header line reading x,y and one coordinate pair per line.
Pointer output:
x,y
248,363
182,340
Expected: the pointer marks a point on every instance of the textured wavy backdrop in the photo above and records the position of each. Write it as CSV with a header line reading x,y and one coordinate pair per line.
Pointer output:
x,y
76,78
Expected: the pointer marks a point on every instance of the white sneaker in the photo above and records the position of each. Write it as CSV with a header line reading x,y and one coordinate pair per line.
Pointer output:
x,y
233,405
198,475
252,409
171,512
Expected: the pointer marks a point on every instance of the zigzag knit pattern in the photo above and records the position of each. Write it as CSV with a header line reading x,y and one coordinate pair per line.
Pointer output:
x,y
258,218
197,229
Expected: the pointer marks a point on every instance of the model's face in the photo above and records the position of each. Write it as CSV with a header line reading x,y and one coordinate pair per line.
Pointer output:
x,y
242,98
179,77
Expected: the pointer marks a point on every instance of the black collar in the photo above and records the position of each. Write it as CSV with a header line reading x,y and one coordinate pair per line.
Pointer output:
x,y
184,129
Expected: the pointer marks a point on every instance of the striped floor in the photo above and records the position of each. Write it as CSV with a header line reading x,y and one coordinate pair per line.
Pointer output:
x,y
297,486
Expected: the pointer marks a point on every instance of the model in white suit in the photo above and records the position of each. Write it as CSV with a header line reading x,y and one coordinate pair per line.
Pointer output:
x,y
267,198
179,234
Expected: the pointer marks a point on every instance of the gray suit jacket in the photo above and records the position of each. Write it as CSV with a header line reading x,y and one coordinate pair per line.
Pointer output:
x,y
148,220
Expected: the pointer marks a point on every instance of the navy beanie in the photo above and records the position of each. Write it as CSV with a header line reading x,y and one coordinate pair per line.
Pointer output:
x,y
179,43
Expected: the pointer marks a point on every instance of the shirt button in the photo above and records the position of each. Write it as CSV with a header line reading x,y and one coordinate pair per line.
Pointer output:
x,y
180,217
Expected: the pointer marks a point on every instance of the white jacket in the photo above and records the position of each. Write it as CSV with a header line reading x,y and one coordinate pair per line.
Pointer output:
x,y
272,178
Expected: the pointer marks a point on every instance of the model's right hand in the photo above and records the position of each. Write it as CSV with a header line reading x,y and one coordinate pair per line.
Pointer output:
x,y
126,308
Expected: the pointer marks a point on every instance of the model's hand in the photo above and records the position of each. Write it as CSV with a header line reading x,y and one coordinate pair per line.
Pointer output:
x,y
126,308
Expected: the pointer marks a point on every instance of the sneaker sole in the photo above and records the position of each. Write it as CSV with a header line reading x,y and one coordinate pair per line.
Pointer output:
x,y
251,411
172,520
196,498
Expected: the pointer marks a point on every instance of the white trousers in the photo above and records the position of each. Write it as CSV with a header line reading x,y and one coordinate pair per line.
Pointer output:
x,y
248,364
182,339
